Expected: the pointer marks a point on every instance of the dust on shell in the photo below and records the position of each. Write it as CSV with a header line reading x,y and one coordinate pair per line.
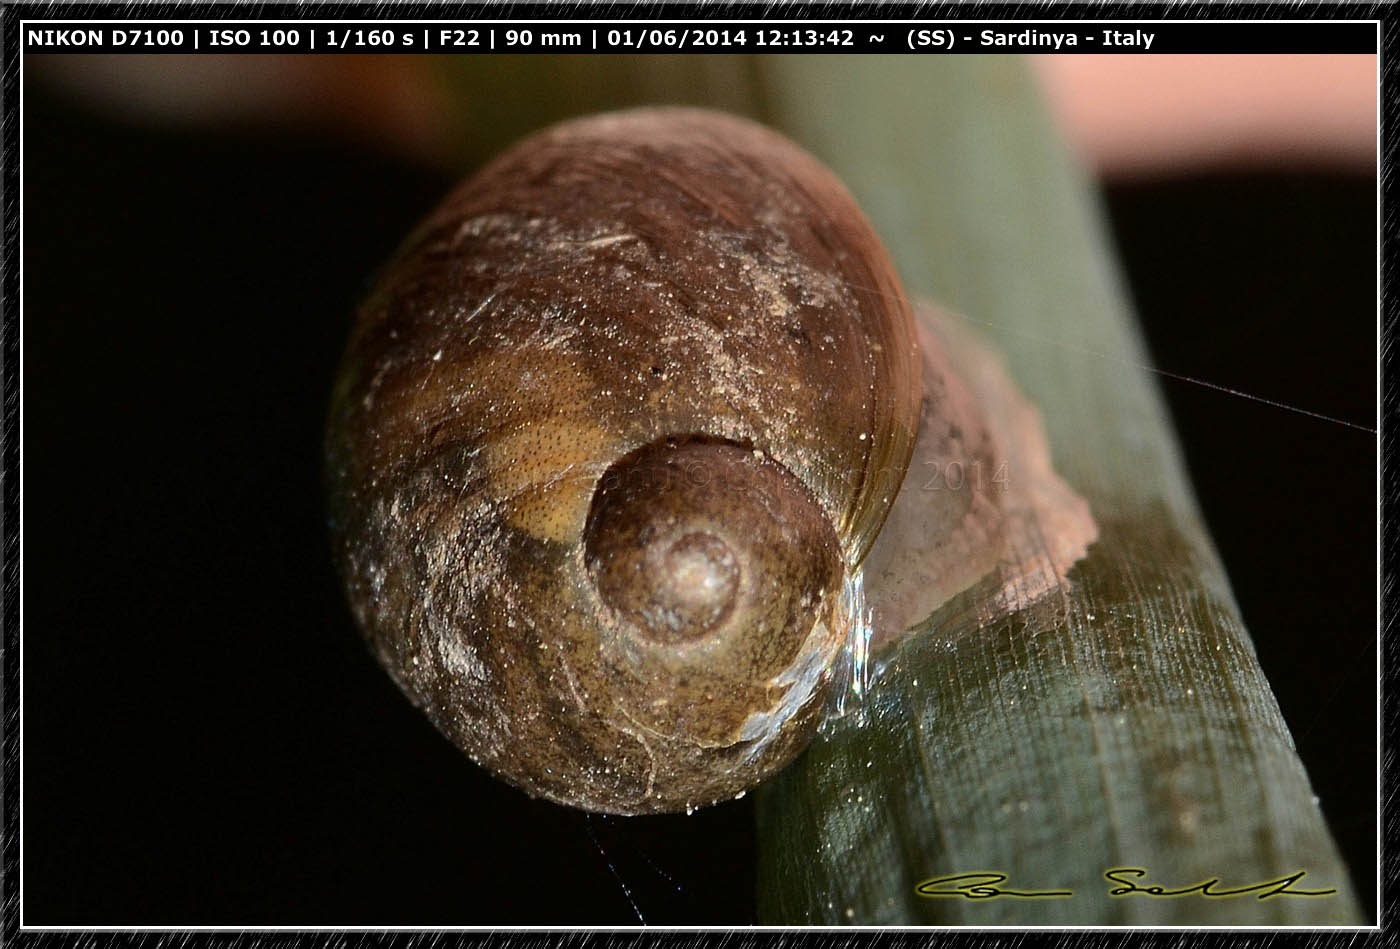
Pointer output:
x,y
618,297
653,281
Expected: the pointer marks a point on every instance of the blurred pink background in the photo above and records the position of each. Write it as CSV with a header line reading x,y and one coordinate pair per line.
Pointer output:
x,y
1129,115
1137,114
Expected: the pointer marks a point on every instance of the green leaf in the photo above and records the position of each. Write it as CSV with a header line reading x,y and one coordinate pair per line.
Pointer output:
x,y
1125,725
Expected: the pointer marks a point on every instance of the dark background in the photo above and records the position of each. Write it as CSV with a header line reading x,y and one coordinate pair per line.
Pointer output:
x,y
206,741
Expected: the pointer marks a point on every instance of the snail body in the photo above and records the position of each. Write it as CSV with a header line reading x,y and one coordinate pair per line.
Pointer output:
x,y
617,424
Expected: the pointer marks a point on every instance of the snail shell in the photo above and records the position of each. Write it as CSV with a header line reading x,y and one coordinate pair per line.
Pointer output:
x,y
615,426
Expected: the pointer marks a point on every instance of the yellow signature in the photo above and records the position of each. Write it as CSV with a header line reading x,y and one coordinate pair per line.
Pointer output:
x,y
1129,880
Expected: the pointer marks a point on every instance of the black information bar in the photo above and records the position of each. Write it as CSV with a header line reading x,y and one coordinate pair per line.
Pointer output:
x,y
697,36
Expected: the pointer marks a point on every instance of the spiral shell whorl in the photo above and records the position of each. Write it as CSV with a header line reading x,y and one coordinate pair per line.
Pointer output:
x,y
652,292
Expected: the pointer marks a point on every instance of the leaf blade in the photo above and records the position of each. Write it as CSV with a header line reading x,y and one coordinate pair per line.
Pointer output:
x,y
1128,726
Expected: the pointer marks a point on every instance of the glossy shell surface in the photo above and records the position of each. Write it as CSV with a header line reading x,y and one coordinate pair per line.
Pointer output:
x,y
609,433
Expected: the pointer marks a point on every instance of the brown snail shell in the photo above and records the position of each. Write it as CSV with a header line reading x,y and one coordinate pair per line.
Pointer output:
x,y
611,432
